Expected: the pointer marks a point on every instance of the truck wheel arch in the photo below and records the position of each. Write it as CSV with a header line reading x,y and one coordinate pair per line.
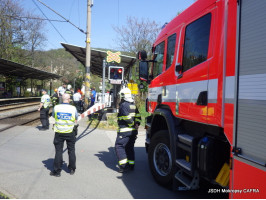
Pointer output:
x,y
164,120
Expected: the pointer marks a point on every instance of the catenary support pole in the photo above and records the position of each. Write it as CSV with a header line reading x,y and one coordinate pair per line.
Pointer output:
x,y
103,82
88,54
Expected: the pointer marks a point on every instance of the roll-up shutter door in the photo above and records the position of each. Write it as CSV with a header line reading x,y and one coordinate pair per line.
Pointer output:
x,y
251,103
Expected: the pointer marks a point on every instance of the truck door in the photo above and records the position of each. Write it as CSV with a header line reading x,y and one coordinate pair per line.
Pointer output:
x,y
249,161
192,84
155,89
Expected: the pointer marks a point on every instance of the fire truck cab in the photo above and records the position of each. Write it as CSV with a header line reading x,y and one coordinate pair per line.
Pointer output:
x,y
207,97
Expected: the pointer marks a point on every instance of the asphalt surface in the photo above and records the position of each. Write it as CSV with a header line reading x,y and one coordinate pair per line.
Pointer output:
x,y
26,159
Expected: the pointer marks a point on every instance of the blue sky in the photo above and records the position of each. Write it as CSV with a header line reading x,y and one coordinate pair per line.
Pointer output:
x,y
105,15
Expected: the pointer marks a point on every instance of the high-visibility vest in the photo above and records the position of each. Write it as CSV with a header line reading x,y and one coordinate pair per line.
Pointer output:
x,y
46,100
64,118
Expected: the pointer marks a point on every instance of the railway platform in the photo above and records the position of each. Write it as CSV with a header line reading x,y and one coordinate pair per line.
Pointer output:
x,y
26,159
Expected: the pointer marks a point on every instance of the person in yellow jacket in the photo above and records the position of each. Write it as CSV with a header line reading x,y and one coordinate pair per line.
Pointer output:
x,y
66,117
44,110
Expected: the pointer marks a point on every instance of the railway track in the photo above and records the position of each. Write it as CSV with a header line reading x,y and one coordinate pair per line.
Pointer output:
x,y
6,107
19,114
19,119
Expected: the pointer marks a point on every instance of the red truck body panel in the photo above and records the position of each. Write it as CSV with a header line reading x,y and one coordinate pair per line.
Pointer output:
x,y
217,75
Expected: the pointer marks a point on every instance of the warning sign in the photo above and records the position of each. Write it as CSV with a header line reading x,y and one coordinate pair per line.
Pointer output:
x,y
133,87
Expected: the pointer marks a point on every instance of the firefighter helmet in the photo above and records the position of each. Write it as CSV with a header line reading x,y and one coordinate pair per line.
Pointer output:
x,y
55,89
125,94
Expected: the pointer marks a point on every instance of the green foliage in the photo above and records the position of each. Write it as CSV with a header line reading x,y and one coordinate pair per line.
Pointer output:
x,y
111,122
140,103
26,94
3,196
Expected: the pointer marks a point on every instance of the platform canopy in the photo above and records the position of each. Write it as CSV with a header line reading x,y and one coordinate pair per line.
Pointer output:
x,y
9,68
97,57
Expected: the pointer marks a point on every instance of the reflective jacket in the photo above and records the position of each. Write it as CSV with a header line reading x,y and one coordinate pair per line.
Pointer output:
x,y
55,99
71,96
45,100
65,116
128,116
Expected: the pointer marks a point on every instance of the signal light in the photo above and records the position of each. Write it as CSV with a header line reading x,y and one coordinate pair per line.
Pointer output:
x,y
116,73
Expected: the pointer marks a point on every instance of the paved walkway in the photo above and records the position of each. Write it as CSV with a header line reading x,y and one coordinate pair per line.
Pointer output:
x,y
26,158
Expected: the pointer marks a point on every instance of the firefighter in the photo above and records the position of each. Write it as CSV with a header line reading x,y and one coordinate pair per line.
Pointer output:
x,y
128,123
55,98
65,118
69,91
44,110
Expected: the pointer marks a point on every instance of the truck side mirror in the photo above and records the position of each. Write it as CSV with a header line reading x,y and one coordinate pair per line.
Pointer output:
x,y
142,55
143,70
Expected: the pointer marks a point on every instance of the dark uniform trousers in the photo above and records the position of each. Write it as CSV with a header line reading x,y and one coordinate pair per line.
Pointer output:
x,y
44,117
130,146
59,139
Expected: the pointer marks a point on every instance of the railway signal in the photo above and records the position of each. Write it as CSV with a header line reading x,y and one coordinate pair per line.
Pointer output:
x,y
116,74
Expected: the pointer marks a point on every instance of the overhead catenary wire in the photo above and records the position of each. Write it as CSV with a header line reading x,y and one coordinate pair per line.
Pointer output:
x,y
37,18
49,21
62,17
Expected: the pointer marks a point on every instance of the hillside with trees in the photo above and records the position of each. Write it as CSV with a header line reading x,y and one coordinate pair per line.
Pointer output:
x,y
22,37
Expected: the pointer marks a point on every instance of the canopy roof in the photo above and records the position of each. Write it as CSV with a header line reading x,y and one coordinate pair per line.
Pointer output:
x,y
9,68
97,57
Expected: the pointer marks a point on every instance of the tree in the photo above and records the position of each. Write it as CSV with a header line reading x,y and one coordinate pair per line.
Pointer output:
x,y
20,33
10,28
34,36
137,35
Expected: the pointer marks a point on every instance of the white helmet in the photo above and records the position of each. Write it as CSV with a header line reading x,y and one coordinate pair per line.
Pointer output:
x,y
125,94
69,87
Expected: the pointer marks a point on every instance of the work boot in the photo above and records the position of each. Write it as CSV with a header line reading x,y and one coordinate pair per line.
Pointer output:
x,y
54,173
72,172
123,169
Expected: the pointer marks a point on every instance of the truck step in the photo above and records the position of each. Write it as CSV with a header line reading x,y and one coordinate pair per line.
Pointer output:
x,y
191,183
184,164
186,139
184,146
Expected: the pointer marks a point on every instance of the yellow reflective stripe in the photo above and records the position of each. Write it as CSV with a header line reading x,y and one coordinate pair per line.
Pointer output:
x,y
63,130
138,115
130,125
124,161
124,117
132,114
65,123
126,129
137,120
131,162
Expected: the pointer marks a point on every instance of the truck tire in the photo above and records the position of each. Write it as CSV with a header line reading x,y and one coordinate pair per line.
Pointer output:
x,y
160,158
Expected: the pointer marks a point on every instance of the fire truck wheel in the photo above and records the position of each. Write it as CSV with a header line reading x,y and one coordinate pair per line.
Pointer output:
x,y
161,161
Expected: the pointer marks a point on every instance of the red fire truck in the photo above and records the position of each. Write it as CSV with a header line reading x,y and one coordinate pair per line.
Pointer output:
x,y
207,98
